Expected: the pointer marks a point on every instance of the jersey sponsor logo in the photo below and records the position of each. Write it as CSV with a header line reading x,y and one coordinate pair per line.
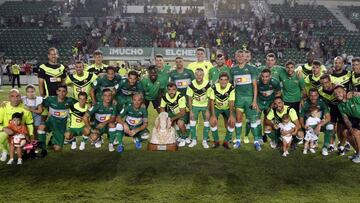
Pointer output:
x,y
81,89
78,120
58,113
267,93
133,120
55,79
102,117
182,83
242,79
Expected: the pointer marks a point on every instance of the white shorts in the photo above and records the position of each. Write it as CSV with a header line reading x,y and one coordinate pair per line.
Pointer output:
x,y
287,139
310,135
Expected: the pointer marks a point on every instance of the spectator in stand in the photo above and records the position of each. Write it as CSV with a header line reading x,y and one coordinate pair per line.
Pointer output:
x,y
15,70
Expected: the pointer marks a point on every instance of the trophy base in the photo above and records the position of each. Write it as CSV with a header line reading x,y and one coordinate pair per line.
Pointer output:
x,y
162,147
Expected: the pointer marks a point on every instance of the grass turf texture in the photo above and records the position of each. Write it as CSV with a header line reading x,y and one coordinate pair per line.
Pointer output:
x,y
188,175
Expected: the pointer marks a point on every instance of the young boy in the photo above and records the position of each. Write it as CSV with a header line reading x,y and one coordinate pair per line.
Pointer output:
x,y
311,122
33,104
287,129
16,128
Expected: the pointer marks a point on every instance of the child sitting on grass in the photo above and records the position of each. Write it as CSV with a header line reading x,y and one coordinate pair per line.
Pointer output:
x,y
18,130
311,122
287,129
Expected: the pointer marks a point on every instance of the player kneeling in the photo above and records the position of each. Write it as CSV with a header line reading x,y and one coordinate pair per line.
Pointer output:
x,y
133,121
175,104
104,113
222,99
76,123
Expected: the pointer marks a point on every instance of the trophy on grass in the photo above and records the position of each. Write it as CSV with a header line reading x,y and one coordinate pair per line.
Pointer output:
x,y
163,135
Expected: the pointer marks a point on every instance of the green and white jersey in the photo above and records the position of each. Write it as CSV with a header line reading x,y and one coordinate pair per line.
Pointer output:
x,y
102,83
292,87
215,72
102,113
126,91
164,72
182,80
242,79
304,110
59,110
134,117
153,89
200,93
266,92
350,108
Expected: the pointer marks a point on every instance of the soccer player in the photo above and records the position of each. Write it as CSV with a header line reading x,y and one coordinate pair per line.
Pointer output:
x,y
350,111
293,86
312,80
181,76
98,68
326,93
133,121
271,64
57,120
273,119
163,70
198,94
14,105
355,77
81,80
109,81
268,89
127,88
201,63
51,74
154,88
174,103
76,123
104,115
306,69
222,97
244,78
220,67
324,125
340,76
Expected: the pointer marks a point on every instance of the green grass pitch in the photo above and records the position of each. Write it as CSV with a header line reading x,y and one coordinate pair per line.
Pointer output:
x,y
188,175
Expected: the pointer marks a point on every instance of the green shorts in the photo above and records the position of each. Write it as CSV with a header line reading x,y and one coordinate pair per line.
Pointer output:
x,y
57,127
224,113
185,118
76,131
197,110
264,105
244,104
103,130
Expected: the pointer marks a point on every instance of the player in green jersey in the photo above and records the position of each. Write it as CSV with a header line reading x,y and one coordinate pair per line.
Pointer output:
x,y
198,94
324,125
81,81
133,121
154,88
244,77
220,67
268,89
98,68
76,123
127,88
293,86
174,103
56,122
163,70
312,80
181,76
274,117
104,115
350,111
109,81
276,70
222,97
